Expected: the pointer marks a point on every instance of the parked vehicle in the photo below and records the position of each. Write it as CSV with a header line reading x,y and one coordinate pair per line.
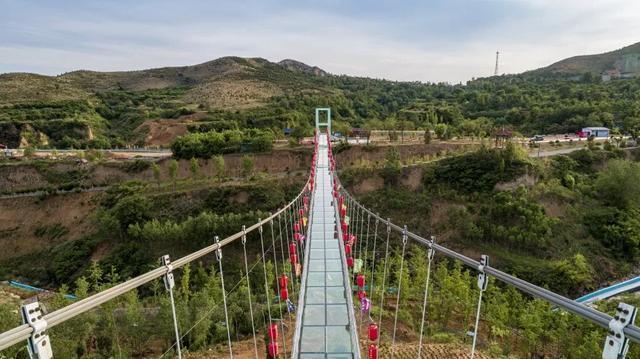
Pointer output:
x,y
537,138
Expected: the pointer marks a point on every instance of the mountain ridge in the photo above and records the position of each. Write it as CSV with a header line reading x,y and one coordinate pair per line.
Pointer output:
x,y
623,62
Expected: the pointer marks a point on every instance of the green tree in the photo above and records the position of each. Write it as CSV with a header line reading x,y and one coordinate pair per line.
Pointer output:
x,y
619,184
247,166
441,130
392,168
194,167
29,151
218,164
173,172
156,173
427,136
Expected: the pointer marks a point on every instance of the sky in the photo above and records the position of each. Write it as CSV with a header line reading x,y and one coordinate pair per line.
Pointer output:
x,y
414,40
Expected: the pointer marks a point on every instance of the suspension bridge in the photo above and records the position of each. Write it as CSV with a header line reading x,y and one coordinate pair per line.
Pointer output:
x,y
325,247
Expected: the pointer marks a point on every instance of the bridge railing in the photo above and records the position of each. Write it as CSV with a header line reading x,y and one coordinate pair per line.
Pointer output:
x,y
620,328
37,322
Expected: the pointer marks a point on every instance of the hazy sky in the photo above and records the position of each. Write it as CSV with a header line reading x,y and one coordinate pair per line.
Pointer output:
x,y
428,40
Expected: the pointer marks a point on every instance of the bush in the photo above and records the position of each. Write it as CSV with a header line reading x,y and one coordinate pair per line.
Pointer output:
x,y
392,169
480,171
619,184
207,144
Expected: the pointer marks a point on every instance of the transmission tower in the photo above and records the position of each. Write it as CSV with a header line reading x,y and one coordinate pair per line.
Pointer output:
x,y
495,72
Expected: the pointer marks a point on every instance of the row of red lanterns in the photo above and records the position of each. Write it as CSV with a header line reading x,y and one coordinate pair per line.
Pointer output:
x,y
283,281
349,241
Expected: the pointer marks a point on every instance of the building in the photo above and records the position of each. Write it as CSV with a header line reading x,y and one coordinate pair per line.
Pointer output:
x,y
598,132
609,75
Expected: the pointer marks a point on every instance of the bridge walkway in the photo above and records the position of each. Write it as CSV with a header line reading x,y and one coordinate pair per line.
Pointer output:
x,y
326,320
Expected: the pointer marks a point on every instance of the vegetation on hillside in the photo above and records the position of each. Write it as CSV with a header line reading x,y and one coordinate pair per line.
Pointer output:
x,y
207,144
527,103
568,223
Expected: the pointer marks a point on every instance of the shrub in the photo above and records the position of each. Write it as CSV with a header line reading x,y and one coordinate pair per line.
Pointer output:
x,y
619,184
207,144
392,169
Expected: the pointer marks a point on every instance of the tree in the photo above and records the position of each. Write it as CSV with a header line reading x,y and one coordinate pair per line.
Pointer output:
x,y
441,130
218,164
392,168
173,172
247,165
156,173
194,167
427,136
619,184
132,209
29,151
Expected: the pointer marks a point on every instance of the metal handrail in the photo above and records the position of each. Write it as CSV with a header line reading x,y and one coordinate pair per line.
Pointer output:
x,y
23,332
579,309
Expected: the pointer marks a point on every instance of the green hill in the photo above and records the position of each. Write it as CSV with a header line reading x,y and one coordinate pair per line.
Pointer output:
x,y
88,109
625,61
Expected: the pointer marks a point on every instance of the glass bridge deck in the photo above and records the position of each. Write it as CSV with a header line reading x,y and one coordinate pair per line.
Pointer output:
x,y
325,329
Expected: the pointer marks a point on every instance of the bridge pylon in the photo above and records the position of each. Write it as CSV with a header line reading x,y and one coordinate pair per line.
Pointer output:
x,y
327,123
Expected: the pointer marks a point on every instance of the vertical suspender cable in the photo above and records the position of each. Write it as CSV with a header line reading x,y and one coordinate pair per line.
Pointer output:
x,y
395,321
293,269
366,246
373,258
361,237
384,277
430,254
284,262
275,266
264,266
224,297
246,266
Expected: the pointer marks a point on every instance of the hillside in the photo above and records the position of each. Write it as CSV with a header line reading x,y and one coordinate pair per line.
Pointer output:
x,y
19,87
59,111
622,61
88,109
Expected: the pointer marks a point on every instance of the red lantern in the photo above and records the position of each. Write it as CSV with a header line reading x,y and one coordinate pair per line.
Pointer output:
x,y
362,294
360,280
373,332
373,351
284,294
292,248
345,237
296,227
284,281
294,259
273,332
344,226
273,350
343,211
350,262
296,236
347,249
301,212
